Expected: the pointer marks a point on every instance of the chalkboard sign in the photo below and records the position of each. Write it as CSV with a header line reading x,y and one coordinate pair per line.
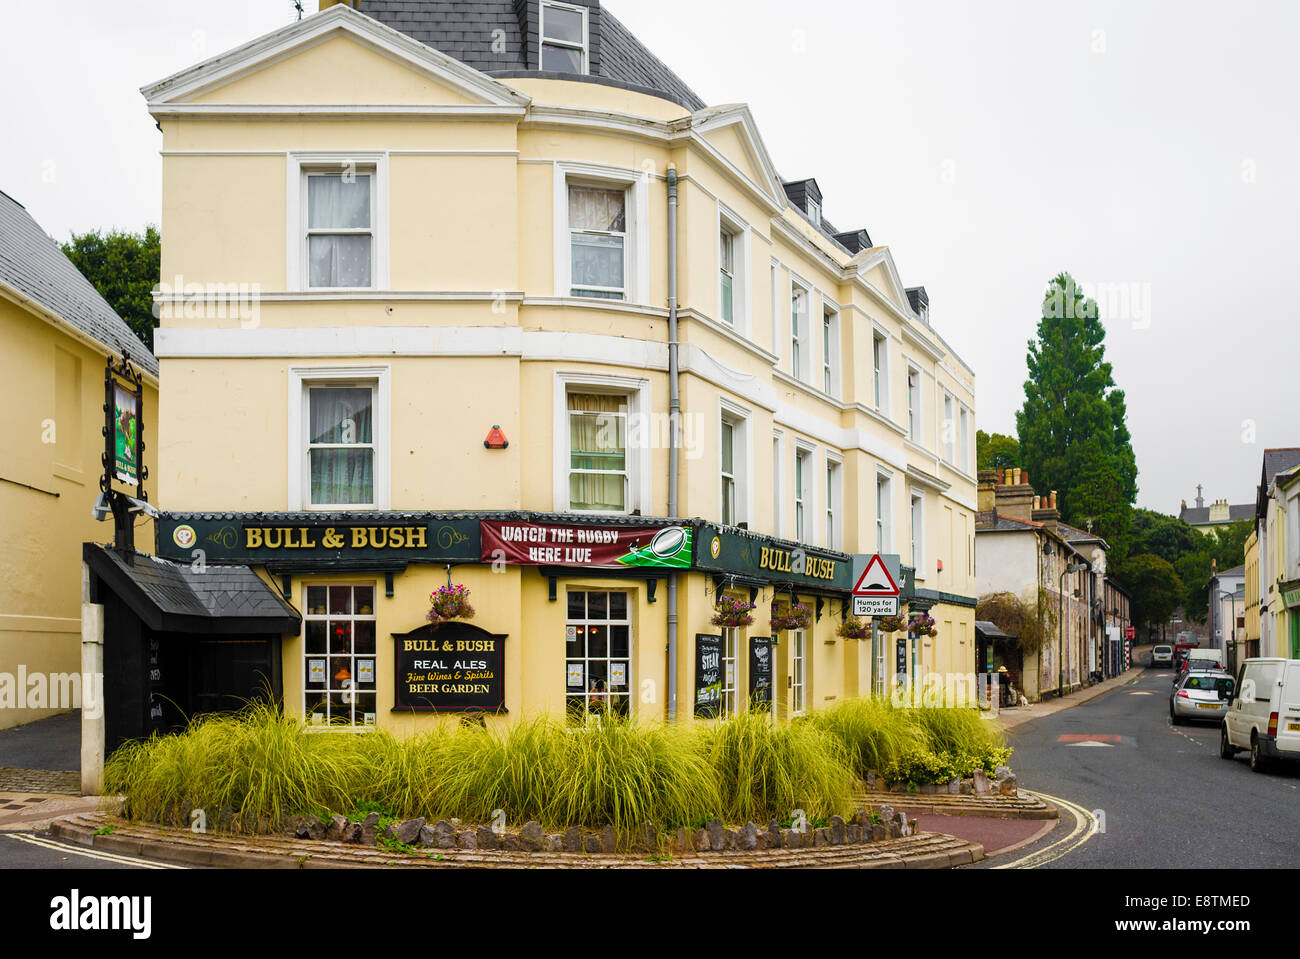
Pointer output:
x,y
760,673
708,675
451,668
900,671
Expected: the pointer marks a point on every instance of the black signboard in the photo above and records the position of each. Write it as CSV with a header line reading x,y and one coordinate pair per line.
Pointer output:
x,y
771,560
308,541
760,672
901,664
708,675
450,668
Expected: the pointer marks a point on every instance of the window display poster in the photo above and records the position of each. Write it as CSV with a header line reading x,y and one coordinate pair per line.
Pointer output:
x,y
760,672
365,671
315,670
575,676
708,675
618,674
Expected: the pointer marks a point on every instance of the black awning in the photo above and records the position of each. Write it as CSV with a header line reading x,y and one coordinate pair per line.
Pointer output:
x,y
176,597
987,630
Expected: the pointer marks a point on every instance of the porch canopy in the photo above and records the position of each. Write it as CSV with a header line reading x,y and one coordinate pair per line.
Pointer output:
x,y
180,598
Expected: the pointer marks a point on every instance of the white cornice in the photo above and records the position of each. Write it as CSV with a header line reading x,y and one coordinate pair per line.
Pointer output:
x,y
339,20
467,111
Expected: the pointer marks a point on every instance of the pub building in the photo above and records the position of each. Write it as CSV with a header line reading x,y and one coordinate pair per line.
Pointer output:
x,y
486,282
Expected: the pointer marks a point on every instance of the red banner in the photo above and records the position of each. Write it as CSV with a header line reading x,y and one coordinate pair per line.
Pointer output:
x,y
560,544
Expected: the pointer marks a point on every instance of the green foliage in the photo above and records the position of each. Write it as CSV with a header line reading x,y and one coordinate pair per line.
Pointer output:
x,y
1072,430
1155,588
1191,552
872,730
1029,623
124,268
994,451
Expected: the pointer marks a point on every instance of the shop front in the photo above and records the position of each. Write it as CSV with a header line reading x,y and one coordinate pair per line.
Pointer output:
x,y
406,620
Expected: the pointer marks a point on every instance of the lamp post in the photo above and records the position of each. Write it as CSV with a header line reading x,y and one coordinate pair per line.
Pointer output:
x,y
1060,652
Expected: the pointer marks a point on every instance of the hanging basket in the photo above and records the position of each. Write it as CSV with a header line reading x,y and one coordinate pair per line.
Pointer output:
x,y
795,616
449,602
853,628
729,613
891,624
922,625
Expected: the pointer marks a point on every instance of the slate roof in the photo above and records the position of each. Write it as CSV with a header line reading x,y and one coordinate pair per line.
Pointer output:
x,y
174,596
1277,460
32,263
467,29
990,630
1200,516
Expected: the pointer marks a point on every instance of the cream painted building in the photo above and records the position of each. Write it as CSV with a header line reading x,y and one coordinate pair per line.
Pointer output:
x,y
58,334
466,241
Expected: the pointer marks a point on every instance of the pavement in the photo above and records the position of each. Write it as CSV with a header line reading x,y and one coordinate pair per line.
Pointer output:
x,y
53,743
1017,715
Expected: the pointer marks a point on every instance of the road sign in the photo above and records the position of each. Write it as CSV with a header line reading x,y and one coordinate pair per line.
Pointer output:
x,y
876,581
875,605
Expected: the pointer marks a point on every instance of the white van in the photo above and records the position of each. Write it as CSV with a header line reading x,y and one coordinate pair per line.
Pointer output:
x,y
1264,715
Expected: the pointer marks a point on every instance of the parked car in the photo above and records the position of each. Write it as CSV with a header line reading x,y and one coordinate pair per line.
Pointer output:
x,y
1162,656
1201,695
1198,659
1264,715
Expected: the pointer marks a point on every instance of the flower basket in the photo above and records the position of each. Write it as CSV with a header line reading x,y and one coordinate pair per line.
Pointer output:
x,y
795,616
853,628
732,612
922,625
891,624
449,602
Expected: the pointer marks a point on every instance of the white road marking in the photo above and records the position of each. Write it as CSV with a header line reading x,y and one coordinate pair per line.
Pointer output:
x,y
90,854
1085,827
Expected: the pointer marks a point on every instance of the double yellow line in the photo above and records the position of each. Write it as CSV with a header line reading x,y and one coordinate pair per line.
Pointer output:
x,y
1085,827
115,858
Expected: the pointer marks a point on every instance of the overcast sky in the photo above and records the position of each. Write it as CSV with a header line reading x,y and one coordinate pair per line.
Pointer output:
x,y
1148,148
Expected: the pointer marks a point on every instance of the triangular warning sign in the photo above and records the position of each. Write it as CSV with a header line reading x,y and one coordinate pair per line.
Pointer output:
x,y
875,580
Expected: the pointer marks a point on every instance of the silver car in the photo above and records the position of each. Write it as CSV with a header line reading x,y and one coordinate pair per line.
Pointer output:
x,y
1202,695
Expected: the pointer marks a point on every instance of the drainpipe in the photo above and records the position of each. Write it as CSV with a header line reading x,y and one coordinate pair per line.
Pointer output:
x,y
674,426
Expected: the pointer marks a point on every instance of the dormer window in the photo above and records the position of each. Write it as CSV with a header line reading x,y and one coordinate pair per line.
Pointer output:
x,y
564,38
814,211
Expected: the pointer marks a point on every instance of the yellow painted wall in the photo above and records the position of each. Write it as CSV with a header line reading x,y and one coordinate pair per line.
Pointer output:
x,y
54,416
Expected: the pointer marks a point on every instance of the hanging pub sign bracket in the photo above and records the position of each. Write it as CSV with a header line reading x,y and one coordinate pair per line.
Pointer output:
x,y
123,456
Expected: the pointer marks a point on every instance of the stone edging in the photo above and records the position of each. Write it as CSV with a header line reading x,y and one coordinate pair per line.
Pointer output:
x,y
1023,806
173,844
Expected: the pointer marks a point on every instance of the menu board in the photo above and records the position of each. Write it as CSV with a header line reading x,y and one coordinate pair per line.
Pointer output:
x,y
760,672
708,675
452,667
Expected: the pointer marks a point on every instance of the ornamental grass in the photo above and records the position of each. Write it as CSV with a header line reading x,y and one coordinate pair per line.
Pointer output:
x,y
250,770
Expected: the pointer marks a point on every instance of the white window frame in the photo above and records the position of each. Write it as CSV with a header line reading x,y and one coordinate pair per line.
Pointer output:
x,y
917,523
585,621
731,224
543,41
948,429
963,436
741,461
914,405
798,672
298,166
636,247
353,617
878,343
799,359
884,512
814,211
301,378
776,311
730,700
830,345
778,483
834,498
639,436
804,494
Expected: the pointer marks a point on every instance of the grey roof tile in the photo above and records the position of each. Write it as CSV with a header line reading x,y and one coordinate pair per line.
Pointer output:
x,y
32,263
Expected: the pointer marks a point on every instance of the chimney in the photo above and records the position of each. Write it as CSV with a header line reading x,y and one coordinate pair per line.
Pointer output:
x,y
1046,513
1014,498
986,491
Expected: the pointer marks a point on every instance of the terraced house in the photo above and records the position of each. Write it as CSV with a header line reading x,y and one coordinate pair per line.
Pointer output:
x,y
495,247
